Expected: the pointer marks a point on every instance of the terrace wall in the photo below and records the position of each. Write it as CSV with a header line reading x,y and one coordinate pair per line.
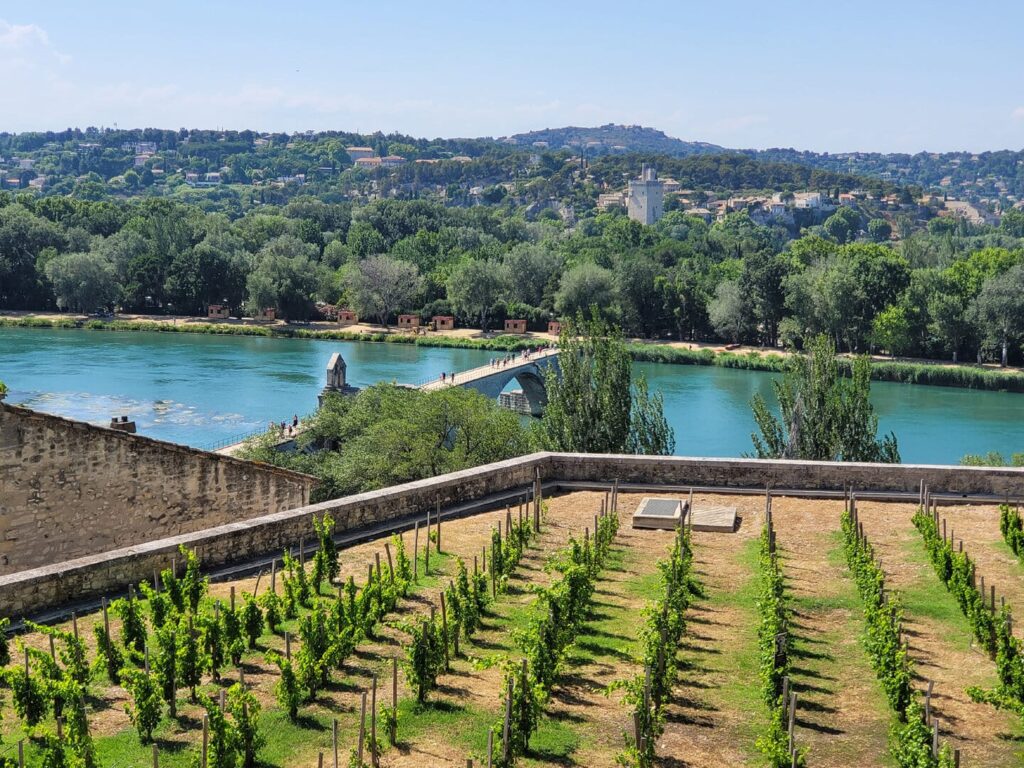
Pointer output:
x,y
69,489
36,590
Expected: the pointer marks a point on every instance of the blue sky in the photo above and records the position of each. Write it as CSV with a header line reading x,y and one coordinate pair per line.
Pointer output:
x,y
900,75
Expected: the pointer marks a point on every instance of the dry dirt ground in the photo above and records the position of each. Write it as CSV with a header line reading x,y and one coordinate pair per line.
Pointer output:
x,y
842,711
713,721
940,640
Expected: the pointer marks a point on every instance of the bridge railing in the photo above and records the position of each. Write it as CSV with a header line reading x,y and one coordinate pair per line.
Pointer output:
x,y
461,377
240,437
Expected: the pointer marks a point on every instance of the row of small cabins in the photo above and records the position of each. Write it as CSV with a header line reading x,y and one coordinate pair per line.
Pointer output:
x,y
407,322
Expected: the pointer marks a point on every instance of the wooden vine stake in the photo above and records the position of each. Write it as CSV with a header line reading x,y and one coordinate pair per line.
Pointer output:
x,y
373,726
792,717
490,747
394,702
362,727
320,761
334,741
437,515
391,565
416,552
494,574
507,725
206,737
536,499
426,549
156,757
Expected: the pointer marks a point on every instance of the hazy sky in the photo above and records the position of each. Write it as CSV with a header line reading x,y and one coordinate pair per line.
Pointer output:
x,y
899,75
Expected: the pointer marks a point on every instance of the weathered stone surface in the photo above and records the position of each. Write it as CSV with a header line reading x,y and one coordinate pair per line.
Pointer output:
x,y
70,489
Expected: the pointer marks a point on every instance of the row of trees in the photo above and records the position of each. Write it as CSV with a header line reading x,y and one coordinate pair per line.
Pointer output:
x,y
947,292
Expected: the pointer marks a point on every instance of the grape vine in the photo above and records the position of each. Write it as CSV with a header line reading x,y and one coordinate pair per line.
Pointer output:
x,y
910,740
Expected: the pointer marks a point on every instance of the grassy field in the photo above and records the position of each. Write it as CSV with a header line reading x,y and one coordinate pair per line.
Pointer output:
x,y
716,714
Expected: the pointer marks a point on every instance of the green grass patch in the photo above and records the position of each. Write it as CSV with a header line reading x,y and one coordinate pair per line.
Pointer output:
x,y
927,596
609,635
740,659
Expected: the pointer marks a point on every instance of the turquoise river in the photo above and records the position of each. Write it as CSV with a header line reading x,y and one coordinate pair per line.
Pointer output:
x,y
203,390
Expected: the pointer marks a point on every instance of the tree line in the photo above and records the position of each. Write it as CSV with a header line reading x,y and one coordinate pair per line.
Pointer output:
x,y
946,292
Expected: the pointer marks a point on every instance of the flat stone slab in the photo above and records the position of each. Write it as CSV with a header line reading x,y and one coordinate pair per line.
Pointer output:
x,y
713,517
666,514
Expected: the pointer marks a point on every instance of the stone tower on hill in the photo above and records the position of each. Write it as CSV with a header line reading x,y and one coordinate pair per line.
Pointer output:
x,y
645,199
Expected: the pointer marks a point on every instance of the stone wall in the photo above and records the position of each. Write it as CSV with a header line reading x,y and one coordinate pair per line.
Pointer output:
x,y
242,540
70,489
793,475
34,591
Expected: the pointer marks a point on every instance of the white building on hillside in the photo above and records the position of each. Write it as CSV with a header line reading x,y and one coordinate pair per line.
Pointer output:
x,y
645,198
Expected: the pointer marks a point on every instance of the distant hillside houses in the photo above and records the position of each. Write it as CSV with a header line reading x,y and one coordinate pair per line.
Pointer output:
x,y
644,200
366,158
203,179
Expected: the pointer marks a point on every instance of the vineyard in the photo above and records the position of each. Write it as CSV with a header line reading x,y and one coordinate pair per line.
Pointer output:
x,y
819,633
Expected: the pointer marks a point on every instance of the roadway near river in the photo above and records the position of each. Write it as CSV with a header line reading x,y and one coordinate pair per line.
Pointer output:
x,y
202,389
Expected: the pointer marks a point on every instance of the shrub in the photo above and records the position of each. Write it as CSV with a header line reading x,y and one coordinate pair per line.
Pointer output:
x,y
146,704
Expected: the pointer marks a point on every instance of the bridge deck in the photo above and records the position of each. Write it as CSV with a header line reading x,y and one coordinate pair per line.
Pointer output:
x,y
462,378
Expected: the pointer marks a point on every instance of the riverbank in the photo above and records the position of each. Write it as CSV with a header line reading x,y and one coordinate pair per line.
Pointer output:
x,y
929,373
898,371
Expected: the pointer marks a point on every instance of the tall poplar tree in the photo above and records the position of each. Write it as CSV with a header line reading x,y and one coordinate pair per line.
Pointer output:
x,y
825,415
594,405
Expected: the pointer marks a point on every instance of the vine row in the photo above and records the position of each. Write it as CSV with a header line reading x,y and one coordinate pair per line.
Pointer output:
x,y
912,742
957,572
776,744
1012,527
563,608
663,629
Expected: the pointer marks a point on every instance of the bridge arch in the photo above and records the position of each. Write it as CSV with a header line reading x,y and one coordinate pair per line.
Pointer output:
x,y
491,381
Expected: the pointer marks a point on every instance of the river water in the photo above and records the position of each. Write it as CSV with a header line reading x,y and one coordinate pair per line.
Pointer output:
x,y
201,390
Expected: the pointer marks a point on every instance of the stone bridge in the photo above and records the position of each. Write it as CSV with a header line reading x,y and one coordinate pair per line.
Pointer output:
x,y
490,380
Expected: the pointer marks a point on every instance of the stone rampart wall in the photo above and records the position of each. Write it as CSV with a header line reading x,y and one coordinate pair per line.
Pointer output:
x,y
33,591
69,489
